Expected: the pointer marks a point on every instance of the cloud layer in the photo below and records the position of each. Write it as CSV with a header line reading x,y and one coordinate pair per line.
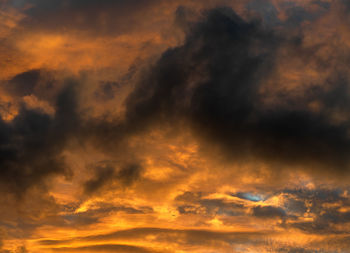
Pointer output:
x,y
190,126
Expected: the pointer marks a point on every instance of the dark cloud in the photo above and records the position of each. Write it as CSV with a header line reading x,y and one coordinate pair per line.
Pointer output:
x,y
266,10
31,144
325,222
213,81
323,4
41,83
94,17
324,205
106,91
129,173
268,212
335,216
297,206
23,84
106,174
212,84
318,196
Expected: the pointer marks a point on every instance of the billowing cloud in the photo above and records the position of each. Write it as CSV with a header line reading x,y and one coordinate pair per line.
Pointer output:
x,y
32,143
217,90
190,126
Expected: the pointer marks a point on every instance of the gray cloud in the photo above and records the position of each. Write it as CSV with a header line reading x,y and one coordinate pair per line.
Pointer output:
x,y
268,212
31,144
93,17
212,83
107,174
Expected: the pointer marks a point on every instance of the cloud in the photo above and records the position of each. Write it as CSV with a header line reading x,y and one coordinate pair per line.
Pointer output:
x,y
32,143
92,17
213,83
175,236
198,203
268,212
106,248
107,174
298,250
248,196
248,95
314,211
20,249
23,84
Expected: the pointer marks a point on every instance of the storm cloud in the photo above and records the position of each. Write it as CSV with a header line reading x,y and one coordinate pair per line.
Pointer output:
x,y
214,82
158,126
32,143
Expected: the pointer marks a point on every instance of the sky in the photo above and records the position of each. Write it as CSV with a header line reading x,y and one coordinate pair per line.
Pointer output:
x,y
182,126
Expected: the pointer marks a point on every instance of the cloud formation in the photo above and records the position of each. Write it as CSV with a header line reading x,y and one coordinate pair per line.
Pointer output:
x,y
214,83
32,143
190,126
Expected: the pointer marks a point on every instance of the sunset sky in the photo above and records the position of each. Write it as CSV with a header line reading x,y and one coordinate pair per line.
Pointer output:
x,y
174,126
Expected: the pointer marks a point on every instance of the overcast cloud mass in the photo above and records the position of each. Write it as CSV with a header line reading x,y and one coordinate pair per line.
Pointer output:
x,y
174,126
